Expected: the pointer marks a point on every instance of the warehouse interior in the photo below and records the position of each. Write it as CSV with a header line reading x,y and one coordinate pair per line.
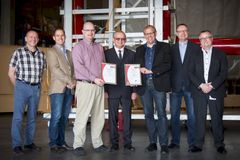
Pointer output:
x,y
219,16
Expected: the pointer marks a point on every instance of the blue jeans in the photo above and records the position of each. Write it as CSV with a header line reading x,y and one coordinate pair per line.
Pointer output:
x,y
61,104
24,94
175,107
156,128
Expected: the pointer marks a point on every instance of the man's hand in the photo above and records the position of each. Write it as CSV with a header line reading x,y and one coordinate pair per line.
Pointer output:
x,y
71,85
206,87
134,96
145,71
99,82
105,95
12,75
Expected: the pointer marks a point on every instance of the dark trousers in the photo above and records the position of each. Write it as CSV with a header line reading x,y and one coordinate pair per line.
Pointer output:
x,y
216,112
113,106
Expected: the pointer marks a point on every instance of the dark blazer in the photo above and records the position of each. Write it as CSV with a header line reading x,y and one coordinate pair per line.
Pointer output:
x,y
179,70
161,67
119,90
217,73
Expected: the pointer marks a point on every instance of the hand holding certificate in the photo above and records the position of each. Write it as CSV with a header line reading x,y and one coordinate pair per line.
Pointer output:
x,y
109,73
132,75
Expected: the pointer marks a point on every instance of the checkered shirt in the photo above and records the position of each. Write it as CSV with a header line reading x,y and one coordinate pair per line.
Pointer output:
x,y
29,68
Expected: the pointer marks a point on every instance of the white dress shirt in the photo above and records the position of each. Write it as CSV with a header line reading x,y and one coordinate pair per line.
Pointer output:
x,y
206,61
117,51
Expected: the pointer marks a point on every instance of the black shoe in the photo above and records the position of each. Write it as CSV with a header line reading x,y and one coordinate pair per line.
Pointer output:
x,y
32,147
195,149
129,147
114,148
80,151
18,150
102,148
54,149
67,147
172,146
151,147
57,149
222,150
164,149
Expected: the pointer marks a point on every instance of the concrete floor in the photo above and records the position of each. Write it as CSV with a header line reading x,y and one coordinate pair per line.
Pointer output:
x,y
140,141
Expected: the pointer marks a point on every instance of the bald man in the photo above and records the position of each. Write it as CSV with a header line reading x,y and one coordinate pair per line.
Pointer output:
x,y
87,58
25,72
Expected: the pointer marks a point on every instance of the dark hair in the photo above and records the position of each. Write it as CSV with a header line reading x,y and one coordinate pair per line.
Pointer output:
x,y
205,31
181,24
59,28
150,26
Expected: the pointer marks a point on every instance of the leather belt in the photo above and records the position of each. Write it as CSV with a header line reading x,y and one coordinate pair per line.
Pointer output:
x,y
29,83
86,81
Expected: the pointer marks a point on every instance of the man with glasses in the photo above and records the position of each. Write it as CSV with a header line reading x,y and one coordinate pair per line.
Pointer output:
x,y
120,93
155,61
208,71
87,59
181,54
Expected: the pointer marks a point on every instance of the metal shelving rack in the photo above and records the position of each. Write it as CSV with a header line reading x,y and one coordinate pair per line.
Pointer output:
x,y
153,12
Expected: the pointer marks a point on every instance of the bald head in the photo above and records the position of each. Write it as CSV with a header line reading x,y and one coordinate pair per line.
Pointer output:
x,y
119,39
87,25
88,31
31,39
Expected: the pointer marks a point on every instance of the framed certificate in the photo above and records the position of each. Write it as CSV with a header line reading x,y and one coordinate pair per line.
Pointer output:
x,y
132,75
109,73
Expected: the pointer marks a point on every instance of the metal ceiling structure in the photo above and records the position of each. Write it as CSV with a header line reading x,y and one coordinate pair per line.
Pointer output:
x,y
153,12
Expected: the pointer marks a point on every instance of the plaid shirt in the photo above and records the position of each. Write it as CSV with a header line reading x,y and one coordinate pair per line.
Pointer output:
x,y
29,68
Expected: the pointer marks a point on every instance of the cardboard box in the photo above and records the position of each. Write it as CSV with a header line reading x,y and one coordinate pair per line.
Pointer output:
x,y
6,104
6,88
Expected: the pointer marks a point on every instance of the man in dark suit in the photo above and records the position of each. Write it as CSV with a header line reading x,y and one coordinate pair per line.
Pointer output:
x,y
120,93
208,71
154,58
181,54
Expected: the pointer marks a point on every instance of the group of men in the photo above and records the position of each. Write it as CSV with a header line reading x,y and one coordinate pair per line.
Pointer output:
x,y
183,69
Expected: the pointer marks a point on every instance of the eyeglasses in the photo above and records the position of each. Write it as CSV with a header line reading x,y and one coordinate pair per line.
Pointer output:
x,y
149,34
204,38
89,30
120,39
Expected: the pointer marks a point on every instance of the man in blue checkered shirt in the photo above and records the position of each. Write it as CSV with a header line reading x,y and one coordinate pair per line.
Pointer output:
x,y
25,72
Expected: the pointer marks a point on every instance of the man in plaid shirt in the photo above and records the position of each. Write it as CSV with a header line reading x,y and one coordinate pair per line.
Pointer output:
x,y
25,72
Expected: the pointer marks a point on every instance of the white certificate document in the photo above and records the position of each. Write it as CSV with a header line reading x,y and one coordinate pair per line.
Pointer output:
x,y
132,75
109,73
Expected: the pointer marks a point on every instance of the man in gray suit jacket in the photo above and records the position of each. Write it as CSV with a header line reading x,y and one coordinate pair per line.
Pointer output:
x,y
61,87
208,71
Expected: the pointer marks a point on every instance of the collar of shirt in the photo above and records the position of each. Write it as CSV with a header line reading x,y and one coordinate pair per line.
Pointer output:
x,y
150,46
184,43
117,49
62,48
30,52
208,51
88,42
